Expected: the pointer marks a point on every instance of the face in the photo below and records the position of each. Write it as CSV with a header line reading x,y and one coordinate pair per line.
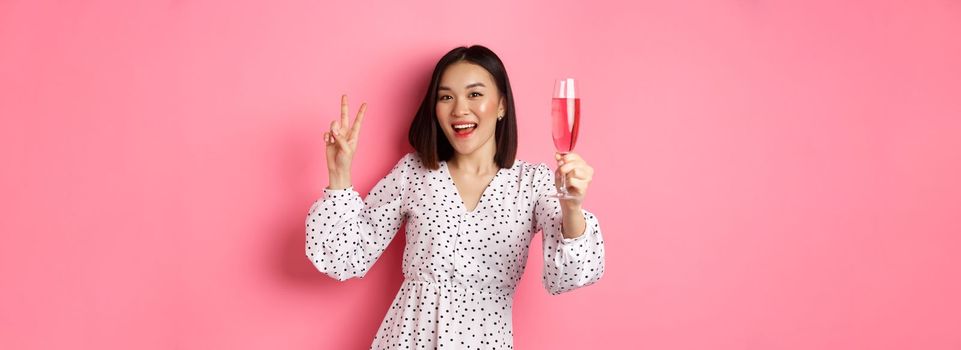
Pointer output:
x,y
468,96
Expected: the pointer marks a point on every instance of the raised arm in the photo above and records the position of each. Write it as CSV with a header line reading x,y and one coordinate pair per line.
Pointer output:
x,y
347,234
569,263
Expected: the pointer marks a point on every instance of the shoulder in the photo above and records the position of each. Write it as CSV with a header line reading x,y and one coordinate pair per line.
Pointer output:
x,y
410,162
532,171
532,177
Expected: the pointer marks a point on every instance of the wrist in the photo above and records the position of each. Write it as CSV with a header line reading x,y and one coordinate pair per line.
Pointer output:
x,y
570,206
339,181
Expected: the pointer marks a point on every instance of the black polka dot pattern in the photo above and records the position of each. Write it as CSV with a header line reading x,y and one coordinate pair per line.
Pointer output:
x,y
460,267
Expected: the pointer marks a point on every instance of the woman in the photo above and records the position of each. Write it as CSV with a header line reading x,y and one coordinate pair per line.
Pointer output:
x,y
471,212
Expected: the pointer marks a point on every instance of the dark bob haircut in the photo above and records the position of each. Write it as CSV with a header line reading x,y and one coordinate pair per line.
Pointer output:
x,y
426,135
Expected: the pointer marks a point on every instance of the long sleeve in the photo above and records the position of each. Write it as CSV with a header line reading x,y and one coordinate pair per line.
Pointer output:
x,y
346,235
568,263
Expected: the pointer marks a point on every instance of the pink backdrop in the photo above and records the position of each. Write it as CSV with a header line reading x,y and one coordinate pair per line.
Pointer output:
x,y
770,174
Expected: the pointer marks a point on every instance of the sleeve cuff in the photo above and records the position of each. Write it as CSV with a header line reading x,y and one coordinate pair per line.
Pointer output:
x,y
339,194
588,230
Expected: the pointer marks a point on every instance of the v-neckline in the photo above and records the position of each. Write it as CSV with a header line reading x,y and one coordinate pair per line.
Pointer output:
x,y
463,206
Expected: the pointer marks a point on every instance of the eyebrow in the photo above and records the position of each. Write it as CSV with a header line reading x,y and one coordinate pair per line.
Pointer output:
x,y
467,87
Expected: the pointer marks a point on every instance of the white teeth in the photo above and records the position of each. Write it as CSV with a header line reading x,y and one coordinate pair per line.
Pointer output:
x,y
464,126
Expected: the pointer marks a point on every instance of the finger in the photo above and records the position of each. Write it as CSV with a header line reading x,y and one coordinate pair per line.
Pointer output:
x,y
341,141
355,129
567,158
328,140
335,127
577,186
577,174
344,109
570,157
568,166
582,173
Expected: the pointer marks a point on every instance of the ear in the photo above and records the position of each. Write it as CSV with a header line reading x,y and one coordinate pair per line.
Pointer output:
x,y
500,106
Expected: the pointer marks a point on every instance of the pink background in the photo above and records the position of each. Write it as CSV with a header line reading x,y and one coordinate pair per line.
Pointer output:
x,y
769,174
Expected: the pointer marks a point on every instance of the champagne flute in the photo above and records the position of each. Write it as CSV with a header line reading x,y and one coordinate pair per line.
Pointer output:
x,y
565,120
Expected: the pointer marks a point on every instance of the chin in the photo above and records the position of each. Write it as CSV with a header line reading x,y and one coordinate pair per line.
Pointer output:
x,y
462,150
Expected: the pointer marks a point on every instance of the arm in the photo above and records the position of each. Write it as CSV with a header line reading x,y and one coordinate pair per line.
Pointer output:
x,y
574,222
346,235
569,263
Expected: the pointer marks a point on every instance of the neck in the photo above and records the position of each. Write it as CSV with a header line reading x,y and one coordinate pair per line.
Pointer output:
x,y
480,162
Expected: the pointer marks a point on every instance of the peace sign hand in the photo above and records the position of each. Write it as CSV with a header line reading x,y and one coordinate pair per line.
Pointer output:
x,y
341,141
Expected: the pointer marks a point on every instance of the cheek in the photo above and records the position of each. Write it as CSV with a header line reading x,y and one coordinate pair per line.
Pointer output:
x,y
487,107
442,112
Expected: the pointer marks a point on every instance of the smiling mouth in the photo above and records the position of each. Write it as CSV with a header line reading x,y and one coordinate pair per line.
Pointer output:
x,y
464,129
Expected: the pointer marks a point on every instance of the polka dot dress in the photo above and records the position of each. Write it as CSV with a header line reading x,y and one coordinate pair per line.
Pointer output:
x,y
460,267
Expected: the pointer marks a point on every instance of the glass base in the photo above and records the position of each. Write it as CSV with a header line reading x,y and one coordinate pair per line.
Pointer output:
x,y
563,196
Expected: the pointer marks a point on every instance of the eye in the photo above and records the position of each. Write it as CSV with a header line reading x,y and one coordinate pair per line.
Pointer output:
x,y
443,97
475,94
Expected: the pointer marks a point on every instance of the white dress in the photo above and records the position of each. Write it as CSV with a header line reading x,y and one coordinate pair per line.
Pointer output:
x,y
460,268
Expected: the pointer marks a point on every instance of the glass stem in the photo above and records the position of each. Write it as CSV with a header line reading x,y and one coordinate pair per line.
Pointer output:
x,y
563,189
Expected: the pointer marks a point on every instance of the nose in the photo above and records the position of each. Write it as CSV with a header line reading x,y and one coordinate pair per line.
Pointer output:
x,y
460,108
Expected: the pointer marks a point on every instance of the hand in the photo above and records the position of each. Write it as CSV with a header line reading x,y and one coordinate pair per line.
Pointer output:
x,y
577,173
341,141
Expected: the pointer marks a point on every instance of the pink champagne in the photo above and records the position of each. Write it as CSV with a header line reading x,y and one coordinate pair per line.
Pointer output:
x,y
565,113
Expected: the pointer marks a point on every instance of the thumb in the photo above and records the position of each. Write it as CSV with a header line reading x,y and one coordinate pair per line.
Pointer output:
x,y
341,141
